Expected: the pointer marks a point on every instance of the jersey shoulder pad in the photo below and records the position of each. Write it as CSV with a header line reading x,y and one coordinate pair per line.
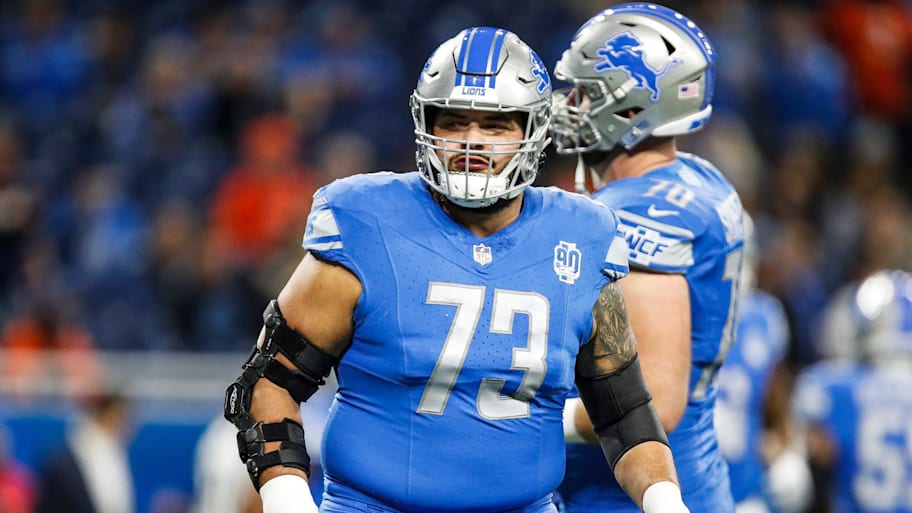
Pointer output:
x,y
576,206
658,237
352,191
668,211
337,209
598,223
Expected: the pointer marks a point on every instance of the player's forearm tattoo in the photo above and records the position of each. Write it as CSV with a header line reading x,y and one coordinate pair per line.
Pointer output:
x,y
613,344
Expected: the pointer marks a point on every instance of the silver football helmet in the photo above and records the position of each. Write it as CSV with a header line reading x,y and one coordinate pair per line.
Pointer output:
x,y
636,70
490,69
870,320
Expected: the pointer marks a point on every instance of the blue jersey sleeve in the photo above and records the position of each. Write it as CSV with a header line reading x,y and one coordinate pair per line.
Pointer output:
x,y
676,217
331,224
616,265
660,246
322,234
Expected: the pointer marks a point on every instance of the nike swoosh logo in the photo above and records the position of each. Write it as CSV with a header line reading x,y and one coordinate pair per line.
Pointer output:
x,y
652,211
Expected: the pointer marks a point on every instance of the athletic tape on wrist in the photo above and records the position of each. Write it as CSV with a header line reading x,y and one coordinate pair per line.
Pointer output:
x,y
287,494
663,497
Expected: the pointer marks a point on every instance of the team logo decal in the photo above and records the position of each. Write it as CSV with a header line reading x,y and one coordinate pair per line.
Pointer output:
x,y
427,66
481,254
539,71
567,262
625,51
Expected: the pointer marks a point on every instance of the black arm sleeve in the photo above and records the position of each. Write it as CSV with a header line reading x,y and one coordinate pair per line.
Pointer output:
x,y
620,408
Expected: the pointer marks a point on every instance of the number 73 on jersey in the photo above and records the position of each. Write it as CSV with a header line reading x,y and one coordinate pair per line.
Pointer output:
x,y
469,303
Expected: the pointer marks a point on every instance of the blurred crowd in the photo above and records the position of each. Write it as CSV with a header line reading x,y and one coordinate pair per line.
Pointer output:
x,y
157,159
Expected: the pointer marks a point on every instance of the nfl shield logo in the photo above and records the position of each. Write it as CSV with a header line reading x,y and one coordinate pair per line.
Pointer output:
x,y
481,254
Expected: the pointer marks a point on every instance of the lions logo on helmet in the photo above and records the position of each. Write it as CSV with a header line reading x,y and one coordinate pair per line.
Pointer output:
x,y
539,70
625,51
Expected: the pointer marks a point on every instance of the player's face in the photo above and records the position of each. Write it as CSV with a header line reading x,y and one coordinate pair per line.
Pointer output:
x,y
475,140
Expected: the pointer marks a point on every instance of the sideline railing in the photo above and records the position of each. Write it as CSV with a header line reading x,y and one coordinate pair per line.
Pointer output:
x,y
141,376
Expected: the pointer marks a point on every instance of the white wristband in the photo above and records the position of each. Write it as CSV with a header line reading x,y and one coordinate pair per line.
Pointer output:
x,y
571,434
287,494
663,497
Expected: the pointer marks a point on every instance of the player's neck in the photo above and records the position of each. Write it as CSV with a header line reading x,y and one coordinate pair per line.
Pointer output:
x,y
483,222
652,153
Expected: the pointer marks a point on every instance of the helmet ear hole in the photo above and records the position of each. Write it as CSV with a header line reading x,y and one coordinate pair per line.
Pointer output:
x,y
628,113
430,117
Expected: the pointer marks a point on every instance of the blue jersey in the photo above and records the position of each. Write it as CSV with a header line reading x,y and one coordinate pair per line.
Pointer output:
x,y
450,395
867,411
761,344
684,218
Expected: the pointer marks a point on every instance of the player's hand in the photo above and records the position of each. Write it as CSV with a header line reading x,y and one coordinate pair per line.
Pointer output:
x,y
663,497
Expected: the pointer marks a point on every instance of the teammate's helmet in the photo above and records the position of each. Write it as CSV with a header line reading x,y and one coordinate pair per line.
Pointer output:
x,y
637,70
871,320
482,68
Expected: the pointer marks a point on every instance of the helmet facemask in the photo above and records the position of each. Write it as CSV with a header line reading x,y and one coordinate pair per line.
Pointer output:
x,y
576,110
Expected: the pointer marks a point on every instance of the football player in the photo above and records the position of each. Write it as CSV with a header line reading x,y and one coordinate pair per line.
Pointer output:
x,y
640,75
856,409
458,306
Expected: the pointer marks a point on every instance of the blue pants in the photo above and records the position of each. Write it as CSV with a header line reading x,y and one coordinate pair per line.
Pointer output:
x,y
332,504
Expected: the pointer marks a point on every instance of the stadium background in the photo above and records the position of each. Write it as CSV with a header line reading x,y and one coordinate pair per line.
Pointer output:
x,y
157,161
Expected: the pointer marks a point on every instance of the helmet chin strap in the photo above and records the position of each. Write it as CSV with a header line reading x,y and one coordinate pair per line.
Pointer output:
x,y
579,181
497,205
481,205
